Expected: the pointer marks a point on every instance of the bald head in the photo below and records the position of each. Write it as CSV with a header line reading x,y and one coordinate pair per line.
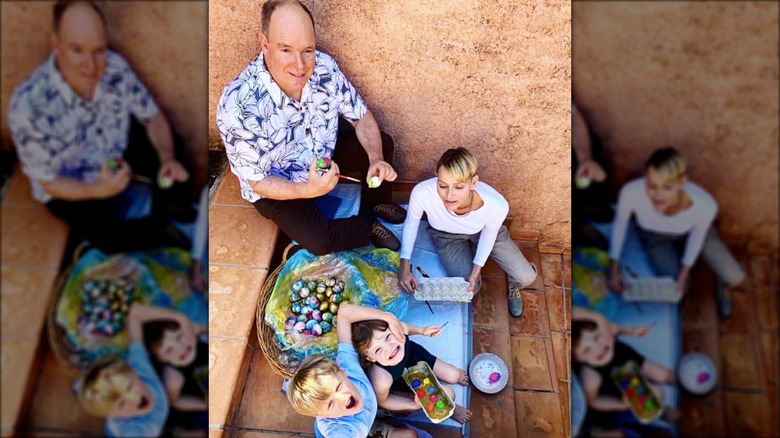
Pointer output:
x,y
272,5
63,6
79,43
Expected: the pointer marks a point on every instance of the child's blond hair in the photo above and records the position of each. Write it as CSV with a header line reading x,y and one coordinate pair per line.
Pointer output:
x,y
668,162
459,162
104,384
306,391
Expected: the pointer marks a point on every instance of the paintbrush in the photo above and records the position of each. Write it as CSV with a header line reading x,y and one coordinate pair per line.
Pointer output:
x,y
348,178
143,179
425,276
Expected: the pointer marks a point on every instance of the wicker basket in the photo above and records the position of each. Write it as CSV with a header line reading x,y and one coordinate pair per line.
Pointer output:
x,y
265,334
56,333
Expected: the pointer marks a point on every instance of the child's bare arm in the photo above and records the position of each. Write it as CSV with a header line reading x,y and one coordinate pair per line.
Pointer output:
x,y
174,382
633,330
603,325
396,403
350,313
142,313
381,380
591,382
411,329
430,330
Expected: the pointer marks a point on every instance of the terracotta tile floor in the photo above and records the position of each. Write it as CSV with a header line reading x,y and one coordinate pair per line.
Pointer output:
x,y
33,244
536,349
744,347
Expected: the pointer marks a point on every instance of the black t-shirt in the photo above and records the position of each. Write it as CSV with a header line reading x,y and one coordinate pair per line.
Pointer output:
x,y
196,373
413,353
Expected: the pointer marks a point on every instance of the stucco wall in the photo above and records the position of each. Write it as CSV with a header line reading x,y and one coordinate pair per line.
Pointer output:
x,y
492,76
164,42
702,77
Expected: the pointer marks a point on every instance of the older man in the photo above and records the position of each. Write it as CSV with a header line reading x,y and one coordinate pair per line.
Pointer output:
x,y
281,114
71,123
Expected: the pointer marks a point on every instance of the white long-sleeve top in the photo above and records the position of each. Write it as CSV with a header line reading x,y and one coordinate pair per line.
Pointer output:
x,y
694,220
487,219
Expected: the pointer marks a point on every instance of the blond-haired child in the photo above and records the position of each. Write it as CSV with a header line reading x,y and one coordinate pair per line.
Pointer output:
x,y
129,393
674,219
338,393
465,219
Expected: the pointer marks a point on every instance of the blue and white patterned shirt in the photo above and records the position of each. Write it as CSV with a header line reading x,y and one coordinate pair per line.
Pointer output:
x,y
59,134
267,133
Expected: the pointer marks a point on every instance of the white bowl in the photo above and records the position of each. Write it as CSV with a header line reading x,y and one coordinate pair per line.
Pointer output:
x,y
480,369
697,373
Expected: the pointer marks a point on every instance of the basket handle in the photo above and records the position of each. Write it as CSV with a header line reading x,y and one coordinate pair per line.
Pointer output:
x,y
286,251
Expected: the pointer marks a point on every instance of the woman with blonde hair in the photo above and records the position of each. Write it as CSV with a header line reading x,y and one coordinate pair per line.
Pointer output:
x,y
674,218
465,218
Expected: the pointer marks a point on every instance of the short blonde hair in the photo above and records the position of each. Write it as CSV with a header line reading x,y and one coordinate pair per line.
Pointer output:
x,y
306,391
459,162
668,162
104,384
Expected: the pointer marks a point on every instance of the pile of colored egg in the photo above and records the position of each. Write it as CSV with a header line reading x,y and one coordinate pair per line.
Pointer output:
x,y
638,394
314,305
425,388
105,304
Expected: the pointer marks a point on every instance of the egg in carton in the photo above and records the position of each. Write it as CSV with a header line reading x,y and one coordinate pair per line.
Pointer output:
x,y
443,289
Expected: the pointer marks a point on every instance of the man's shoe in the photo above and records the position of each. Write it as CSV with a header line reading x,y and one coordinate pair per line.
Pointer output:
x,y
174,237
393,213
588,235
724,299
515,300
381,237
181,212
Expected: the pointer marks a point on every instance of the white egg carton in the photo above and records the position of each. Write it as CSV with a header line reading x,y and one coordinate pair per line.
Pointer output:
x,y
657,289
443,289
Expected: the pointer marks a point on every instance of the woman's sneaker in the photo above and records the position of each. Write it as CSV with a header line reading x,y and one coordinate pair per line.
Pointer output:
x,y
515,300
724,299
